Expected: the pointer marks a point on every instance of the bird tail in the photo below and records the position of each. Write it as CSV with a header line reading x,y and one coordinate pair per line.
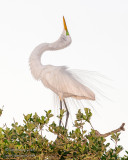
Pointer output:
x,y
101,86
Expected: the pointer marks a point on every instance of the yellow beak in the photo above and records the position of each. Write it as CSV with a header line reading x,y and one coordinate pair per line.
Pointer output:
x,y
65,26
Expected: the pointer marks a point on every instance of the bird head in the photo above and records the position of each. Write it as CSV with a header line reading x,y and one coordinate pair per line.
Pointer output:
x,y
63,41
65,37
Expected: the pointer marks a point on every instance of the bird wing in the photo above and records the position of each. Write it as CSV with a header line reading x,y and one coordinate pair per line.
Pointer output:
x,y
61,81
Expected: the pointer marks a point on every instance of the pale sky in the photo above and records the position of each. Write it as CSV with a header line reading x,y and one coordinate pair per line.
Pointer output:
x,y
99,31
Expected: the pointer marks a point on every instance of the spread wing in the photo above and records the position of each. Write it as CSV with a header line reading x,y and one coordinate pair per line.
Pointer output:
x,y
61,81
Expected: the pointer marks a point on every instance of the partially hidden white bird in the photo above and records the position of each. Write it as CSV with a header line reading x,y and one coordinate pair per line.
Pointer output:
x,y
58,78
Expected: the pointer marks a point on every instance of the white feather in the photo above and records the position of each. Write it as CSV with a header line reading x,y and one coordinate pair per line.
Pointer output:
x,y
62,81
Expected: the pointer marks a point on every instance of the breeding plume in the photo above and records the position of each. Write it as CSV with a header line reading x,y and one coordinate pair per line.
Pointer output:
x,y
58,78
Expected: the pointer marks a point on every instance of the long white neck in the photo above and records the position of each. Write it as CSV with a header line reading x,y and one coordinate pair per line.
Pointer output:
x,y
36,66
35,59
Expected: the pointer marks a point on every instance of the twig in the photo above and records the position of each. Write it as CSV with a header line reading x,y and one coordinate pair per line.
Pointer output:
x,y
121,128
91,125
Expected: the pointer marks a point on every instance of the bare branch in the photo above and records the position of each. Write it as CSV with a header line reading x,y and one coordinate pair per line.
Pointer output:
x,y
121,128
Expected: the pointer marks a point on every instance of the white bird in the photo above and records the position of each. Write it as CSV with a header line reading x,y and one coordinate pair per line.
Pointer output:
x,y
58,78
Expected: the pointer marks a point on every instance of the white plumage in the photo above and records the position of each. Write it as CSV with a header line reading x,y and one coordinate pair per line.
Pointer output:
x,y
58,78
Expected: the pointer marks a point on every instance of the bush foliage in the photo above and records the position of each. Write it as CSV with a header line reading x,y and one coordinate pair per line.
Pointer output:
x,y
26,141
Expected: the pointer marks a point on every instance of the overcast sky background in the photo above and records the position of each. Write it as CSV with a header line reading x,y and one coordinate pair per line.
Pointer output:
x,y
99,31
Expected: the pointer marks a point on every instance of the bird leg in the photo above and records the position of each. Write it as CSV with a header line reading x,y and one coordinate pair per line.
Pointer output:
x,y
67,114
60,114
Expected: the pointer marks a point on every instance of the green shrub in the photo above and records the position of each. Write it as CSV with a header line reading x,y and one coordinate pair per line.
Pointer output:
x,y
27,142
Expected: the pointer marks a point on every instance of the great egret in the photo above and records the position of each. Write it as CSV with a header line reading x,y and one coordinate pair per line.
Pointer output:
x,y
58,78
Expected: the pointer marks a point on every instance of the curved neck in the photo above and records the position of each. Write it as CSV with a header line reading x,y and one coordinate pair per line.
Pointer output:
x,y
39,50
36,66
35,59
